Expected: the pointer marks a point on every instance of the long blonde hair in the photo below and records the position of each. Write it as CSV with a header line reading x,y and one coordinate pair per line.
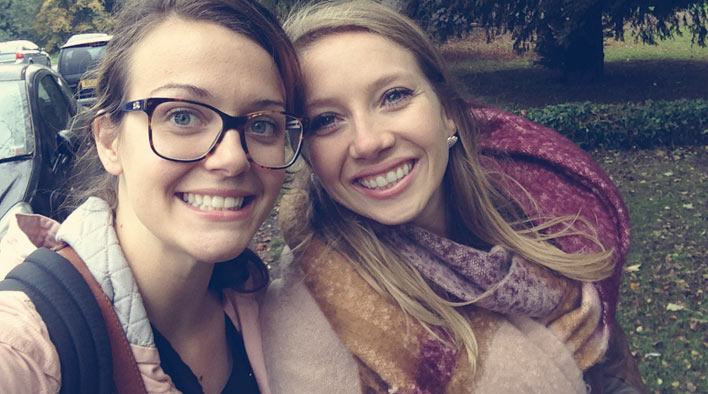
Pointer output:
x,y
473,205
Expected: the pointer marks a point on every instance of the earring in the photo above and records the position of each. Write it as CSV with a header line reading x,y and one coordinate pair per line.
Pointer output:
x,y
314,179
452,140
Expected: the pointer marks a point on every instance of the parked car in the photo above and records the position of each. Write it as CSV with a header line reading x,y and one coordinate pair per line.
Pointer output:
x,y
23,51
77,57
36,110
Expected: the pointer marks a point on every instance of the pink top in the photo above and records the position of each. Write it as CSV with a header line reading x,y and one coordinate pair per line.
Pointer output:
x,y
30,363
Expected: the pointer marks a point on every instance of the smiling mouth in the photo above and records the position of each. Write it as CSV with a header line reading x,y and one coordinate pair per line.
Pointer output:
x,y
206,202
388,179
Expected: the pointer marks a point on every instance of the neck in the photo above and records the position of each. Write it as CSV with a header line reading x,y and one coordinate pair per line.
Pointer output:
x,y
174,287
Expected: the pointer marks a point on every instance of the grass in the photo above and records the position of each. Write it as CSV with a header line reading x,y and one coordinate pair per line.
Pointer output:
x,y
663,302
634,72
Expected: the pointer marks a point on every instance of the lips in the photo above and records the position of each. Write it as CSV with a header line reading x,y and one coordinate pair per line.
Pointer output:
x,y
213,203
386,179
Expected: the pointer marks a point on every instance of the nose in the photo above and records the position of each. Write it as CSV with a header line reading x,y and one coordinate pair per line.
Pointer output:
x,y
369,138
228,156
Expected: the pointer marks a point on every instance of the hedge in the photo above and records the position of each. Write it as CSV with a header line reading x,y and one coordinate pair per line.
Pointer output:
x,y
624,126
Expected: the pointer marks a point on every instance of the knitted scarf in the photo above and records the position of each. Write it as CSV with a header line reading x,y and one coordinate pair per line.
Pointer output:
x,y
396,353
498,280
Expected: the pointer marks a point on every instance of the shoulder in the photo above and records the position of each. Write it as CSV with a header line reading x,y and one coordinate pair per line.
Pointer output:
x,y
25,234
302,351
30,362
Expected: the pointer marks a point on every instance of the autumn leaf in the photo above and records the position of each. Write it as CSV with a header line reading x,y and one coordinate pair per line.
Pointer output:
x,y
632,268
674,307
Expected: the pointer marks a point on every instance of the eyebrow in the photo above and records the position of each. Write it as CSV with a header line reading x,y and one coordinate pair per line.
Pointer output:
x,y
197,91
202,93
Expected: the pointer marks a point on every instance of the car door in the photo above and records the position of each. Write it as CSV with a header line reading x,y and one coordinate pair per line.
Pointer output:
x,y
54,113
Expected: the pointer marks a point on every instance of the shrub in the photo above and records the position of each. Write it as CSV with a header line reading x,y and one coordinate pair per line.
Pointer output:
x,y
631,125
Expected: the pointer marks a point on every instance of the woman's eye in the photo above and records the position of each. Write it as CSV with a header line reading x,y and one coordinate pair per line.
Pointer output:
x,y
396,96
323,124
184,118
261,127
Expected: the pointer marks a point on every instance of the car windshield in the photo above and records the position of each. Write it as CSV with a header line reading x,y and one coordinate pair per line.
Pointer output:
x,y
77,60
15,136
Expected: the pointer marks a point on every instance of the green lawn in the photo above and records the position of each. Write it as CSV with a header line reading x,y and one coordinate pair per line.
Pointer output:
x,y
663,303
634,72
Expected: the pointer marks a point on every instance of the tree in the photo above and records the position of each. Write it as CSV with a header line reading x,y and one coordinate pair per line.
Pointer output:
x,y
57,20
567,34
16,18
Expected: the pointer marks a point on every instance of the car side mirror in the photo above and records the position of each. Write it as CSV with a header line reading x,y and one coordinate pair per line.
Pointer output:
x,y
68,140
67,147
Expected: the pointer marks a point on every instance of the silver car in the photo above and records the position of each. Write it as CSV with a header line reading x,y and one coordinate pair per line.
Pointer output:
x,y
23,51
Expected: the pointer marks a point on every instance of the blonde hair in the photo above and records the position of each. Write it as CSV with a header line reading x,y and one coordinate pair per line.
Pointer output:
x,y
473,206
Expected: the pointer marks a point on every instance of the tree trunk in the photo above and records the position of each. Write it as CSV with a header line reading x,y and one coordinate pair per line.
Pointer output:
x,y
405,7
584,56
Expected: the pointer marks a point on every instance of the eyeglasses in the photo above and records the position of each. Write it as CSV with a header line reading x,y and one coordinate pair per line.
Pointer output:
x,y
187,131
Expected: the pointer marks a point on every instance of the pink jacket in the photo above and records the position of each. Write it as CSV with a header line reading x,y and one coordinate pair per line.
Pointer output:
x,y
29,362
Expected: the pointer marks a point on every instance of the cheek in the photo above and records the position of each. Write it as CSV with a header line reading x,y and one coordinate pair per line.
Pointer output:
x,y
272,182
326,157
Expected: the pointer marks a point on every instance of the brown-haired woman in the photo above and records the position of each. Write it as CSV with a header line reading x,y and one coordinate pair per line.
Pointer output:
x,y
184,159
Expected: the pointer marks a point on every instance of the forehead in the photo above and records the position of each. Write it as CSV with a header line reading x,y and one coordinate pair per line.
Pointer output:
x,y
347,43
205,55
336,63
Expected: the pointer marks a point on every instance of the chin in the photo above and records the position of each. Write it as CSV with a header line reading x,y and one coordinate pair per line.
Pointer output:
x,y
216,253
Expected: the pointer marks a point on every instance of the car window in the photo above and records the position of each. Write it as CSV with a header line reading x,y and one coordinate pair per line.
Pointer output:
x,y
53,106
15,135
76,60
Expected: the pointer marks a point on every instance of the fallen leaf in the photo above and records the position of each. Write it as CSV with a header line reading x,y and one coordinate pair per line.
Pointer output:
x,y
674,307
632,268
688,206
633,285
668,173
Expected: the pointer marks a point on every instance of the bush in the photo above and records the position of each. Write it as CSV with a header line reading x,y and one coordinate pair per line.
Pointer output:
x,y
625,126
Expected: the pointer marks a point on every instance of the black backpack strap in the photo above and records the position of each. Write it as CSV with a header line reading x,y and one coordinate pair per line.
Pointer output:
x,y
73,319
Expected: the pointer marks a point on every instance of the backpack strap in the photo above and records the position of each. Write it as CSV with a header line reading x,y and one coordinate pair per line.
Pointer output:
x,y
126,376
72,317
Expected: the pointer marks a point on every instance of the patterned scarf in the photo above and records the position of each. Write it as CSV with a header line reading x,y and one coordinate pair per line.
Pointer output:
x,y
397,355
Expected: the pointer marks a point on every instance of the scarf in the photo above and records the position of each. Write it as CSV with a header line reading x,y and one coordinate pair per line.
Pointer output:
x,y
498,280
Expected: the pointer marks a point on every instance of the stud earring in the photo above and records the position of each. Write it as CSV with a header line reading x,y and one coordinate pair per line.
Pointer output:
x,y
452,140
314,179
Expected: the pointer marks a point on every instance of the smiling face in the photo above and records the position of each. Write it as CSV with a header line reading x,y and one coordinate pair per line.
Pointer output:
x,y
378,139
206,210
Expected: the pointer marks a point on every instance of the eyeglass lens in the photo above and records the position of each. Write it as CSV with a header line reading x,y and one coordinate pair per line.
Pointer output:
x,y
187,131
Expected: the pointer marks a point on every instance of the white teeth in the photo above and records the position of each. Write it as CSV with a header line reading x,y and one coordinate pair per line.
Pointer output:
x,y
210,203
383,181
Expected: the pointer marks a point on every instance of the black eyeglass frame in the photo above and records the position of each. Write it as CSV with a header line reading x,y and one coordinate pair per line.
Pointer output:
x,y
229,122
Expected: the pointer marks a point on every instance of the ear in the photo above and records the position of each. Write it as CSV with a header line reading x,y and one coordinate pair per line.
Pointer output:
x,y
449,122
105,135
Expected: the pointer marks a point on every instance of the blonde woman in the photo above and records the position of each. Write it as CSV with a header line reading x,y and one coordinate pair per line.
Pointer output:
x,y
420,266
